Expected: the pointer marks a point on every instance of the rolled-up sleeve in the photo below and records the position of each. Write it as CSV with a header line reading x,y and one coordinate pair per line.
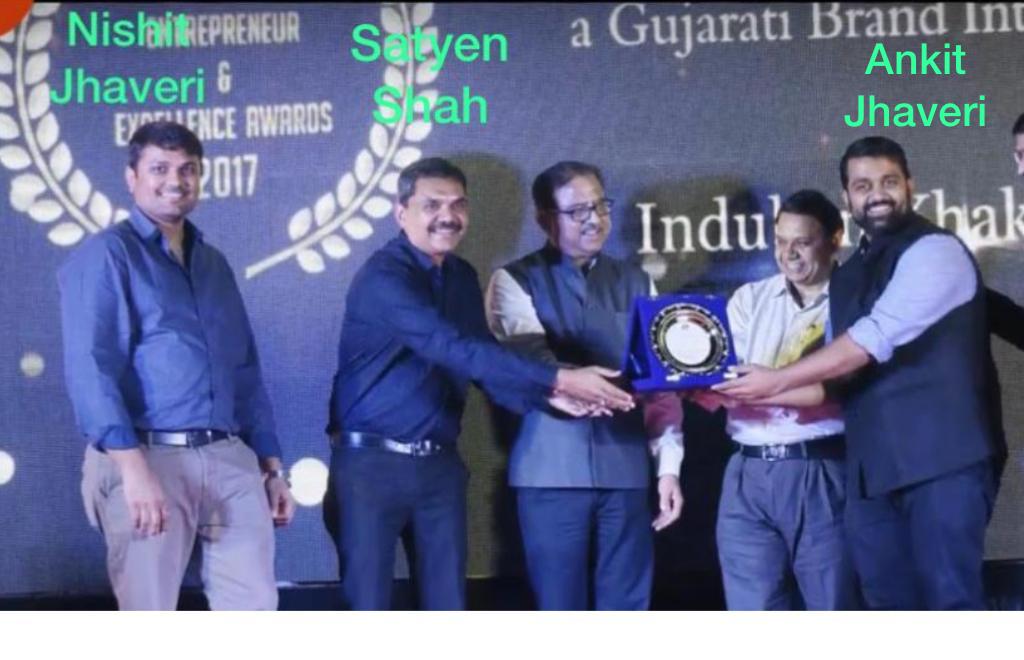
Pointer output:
x,y
933,277
96,324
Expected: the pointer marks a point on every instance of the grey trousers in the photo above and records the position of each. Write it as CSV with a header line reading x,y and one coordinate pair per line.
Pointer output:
x,y
780,535
214,493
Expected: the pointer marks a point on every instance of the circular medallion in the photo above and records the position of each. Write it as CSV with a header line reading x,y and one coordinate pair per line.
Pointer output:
x,y
689,339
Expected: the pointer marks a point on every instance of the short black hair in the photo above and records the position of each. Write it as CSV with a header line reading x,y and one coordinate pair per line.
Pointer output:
x,y
875,146
1018,126
427,168
166,135
815,205
556,176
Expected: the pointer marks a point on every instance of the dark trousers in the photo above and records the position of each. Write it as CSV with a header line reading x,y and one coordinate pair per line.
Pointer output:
x,y
780,535
573,537
922,547
375,496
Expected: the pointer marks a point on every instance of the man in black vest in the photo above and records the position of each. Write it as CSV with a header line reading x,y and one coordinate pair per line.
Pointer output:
x,y
922,406
582,484
413,337
1006,316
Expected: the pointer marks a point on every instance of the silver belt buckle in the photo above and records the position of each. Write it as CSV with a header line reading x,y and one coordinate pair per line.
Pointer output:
x,y
773,452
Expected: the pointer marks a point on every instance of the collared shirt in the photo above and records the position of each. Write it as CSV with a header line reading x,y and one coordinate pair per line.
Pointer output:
x,y
932,277
413,336
771,329
150,344
513,319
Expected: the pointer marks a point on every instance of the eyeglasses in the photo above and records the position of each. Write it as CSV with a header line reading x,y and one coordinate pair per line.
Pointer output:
x,y
581,214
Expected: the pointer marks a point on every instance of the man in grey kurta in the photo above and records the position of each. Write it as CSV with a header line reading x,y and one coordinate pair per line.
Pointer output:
x,y
582,483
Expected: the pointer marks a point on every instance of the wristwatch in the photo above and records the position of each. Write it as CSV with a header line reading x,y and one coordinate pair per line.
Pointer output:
x,y
277,474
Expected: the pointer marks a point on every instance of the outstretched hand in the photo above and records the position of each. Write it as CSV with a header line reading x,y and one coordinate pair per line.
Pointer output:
x,y
751,381
590,385
577,408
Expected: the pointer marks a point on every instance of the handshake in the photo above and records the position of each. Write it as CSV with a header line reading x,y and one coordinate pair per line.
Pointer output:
x,y
589,392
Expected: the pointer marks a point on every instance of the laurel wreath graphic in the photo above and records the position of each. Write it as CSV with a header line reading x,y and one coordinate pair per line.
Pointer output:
x,y
50,190
347,213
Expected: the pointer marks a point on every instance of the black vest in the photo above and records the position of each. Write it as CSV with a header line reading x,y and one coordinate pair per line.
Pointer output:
x,y
934,407
585,318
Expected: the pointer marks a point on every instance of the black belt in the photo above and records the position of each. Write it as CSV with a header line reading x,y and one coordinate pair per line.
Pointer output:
x,y
193,438
357,440
828,447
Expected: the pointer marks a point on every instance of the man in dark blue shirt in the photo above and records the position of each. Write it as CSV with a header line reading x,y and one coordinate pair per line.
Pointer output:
x,y
413,337
163,375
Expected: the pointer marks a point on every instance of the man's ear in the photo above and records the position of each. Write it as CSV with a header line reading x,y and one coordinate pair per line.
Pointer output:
x,y
400,210
130,178
548,222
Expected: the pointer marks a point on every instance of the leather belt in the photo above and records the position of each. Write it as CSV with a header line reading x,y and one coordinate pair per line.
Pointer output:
x,y
193,438
358,440
828,447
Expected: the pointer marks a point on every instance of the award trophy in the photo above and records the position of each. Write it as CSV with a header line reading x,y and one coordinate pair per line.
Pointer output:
x,y
677,342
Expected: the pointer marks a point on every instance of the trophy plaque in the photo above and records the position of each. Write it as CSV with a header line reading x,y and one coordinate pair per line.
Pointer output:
x,y
677,342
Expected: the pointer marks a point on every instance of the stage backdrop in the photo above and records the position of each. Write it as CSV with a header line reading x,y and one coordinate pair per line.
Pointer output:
x,y
702,117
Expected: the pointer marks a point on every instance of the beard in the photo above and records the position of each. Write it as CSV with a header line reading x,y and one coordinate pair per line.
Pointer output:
x,y
877,225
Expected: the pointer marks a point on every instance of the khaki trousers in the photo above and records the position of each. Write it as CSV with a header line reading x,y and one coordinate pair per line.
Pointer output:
x,y
215,493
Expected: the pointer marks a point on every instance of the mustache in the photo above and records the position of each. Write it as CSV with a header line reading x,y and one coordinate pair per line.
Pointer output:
x,y
445,225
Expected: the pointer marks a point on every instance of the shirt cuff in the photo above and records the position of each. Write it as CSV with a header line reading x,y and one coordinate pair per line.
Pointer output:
x,y
668,448
866,334
546,374
263,443
117,437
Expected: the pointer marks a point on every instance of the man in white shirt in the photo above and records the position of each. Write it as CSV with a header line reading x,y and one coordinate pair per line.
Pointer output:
x,y
780,518
920,396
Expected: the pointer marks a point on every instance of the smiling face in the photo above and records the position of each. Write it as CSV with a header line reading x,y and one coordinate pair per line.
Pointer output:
x,y
164,184
802,250
435,217
579,241
878,194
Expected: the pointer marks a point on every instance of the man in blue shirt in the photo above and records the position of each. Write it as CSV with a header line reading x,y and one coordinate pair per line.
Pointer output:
x,y
414,335
163,374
